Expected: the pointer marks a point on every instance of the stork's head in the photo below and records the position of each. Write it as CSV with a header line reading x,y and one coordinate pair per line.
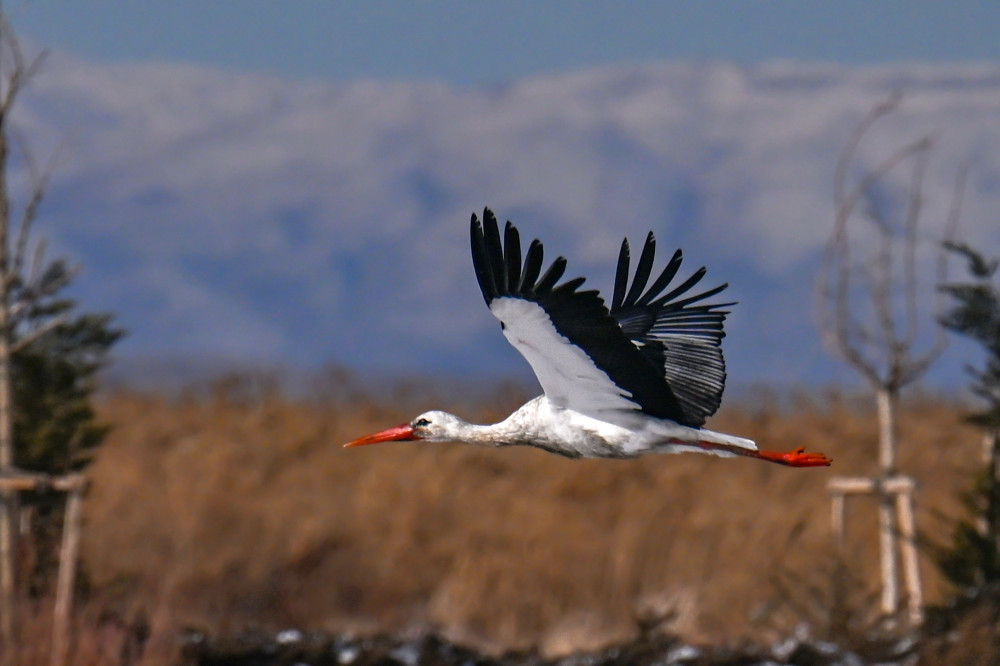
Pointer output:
x,y
431,426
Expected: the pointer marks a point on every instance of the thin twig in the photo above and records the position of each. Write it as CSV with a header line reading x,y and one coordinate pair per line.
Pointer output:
x,y
39,185
919,366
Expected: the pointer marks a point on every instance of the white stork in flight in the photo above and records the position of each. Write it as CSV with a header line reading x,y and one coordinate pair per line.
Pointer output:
x,y
640,376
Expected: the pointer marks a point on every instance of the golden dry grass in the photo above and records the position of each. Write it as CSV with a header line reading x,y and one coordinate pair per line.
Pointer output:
x,y
219,513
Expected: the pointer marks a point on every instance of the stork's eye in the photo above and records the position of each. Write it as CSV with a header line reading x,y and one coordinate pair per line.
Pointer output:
x,y
420,423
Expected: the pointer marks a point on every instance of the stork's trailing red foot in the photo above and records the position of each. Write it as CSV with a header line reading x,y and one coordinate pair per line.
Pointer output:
x,y
796,458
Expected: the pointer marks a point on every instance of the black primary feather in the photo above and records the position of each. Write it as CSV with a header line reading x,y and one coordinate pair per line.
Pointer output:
x,y
642,269
532,266
621,277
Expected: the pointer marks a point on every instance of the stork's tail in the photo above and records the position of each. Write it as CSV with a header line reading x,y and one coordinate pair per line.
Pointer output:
x,y
679,439
709,437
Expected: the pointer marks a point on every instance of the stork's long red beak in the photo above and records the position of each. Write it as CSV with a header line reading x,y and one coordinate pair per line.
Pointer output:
x,y
400,433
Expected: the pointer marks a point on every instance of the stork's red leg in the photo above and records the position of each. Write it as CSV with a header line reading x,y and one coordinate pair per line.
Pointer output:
x,y
796,458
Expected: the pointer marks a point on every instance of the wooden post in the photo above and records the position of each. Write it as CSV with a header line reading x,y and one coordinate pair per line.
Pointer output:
x,y
8,497
14,481
911,566
886,401
837,518
889,598
67,571
991,458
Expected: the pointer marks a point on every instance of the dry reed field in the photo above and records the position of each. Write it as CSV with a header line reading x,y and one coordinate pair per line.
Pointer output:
x,y
235,508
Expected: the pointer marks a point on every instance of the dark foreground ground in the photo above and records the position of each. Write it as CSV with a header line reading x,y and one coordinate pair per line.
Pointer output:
x,y
293,648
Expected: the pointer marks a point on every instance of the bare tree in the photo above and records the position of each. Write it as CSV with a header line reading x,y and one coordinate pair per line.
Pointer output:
x,y
869,310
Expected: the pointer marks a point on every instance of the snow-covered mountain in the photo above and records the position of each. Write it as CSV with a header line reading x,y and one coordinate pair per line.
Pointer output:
x,y
233,216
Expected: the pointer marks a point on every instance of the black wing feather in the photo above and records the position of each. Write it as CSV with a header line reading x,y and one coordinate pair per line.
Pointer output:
x,y
480,259
496,261
687,284
621,276
665,277
551,276
512,241
532,265
642,269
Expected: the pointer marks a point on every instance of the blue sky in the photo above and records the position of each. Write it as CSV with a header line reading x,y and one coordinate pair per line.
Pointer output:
x,y
488,42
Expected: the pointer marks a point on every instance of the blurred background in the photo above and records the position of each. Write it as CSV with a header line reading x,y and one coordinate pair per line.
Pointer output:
x,y
272,200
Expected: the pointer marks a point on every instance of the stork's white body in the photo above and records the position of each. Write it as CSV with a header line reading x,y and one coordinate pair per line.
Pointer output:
x,y
640,376
567,432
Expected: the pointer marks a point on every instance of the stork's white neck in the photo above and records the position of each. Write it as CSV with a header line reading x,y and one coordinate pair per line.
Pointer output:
x,y
484,435
526,426
445,427
537,423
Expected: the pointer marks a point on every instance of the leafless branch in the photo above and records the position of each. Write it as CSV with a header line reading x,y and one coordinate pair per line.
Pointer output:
x,y
37,261
881,278
39,185
20,72
913,208
919,366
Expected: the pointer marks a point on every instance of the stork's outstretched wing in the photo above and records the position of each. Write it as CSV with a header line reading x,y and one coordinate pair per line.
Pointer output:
x,y
674,331
649,352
